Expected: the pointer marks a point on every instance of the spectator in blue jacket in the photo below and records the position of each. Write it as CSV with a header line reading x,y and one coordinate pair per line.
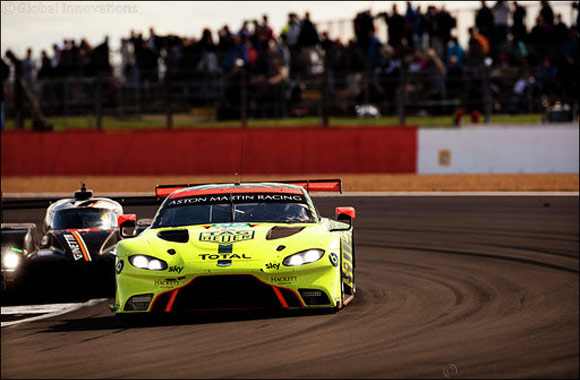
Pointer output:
x,y
454,49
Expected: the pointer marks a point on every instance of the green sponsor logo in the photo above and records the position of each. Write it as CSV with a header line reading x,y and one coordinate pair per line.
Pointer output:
x,y
227,236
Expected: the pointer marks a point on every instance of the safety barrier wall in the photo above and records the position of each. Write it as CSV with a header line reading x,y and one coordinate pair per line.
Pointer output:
x,y
215,151
471,149
499,149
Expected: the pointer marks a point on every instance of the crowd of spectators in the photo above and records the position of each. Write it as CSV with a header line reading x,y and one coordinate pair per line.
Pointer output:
x,y
543,60
275,66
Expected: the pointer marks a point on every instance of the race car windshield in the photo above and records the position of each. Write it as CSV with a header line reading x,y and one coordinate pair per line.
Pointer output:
x,y
185,212
83,218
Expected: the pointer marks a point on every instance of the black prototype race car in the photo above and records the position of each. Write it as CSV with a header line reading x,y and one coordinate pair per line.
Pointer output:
x,y
77,249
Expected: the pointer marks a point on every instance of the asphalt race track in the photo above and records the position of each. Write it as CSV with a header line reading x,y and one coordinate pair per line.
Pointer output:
x,y
478,287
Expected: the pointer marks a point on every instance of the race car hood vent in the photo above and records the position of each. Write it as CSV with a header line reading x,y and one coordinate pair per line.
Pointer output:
x,y
178,236
279,232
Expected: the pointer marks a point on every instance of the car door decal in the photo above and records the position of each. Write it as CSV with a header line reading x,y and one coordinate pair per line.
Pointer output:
x,y
77,245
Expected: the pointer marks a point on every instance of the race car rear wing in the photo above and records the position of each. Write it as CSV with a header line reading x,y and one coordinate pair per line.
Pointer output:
x,y
161,192
311,185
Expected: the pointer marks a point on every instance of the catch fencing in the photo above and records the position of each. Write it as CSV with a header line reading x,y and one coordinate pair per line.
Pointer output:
x,y
401,93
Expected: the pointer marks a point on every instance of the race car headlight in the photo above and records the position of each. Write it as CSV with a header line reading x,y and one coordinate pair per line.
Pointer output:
x,y
147,262
303,257
11,259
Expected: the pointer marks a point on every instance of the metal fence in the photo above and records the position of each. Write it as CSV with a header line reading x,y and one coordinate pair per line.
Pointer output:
x,y
401,93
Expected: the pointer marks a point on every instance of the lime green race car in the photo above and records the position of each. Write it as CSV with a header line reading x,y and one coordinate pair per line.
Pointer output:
x,y
237,246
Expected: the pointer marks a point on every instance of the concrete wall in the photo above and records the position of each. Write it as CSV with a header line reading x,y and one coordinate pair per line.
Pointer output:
x,y
498,149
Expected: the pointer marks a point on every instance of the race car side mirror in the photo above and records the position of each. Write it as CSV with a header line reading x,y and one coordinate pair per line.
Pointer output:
x,y
345,214
127,225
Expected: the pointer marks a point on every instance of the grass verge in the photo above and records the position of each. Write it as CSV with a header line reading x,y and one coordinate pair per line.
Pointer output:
x,y
61,123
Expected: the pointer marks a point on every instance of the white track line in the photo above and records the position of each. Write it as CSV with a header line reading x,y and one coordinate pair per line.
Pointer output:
x,y
51,310
36,309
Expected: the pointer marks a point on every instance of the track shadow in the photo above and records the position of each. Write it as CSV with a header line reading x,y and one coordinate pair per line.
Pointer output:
x,y
191,318
51,294
54,282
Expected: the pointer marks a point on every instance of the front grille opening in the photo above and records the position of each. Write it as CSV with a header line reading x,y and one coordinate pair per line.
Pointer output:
x,y
226,291
138,303
161,302
314,297
291,298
